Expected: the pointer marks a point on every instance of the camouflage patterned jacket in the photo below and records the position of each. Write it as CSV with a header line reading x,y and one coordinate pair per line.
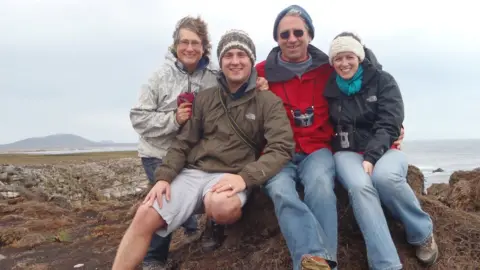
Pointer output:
x,y
153,117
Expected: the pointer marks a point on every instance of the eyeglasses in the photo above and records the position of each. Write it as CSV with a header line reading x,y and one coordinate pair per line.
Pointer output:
x,y
185,42
298,33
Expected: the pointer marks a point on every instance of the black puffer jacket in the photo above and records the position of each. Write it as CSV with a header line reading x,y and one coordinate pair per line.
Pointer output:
x,y
373,117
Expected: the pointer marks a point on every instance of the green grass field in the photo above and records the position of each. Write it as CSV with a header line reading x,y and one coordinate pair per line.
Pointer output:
x,y
24,159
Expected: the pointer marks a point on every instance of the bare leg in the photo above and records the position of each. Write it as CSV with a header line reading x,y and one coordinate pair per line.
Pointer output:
x,y
136,240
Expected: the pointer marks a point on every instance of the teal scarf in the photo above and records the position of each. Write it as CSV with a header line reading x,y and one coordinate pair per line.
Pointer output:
x,y
353,85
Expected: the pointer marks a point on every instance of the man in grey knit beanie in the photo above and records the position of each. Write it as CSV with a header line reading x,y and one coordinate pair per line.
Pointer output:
x,y
233,51
237,39
236,139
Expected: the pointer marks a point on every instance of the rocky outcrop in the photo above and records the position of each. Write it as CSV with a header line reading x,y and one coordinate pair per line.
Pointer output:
x,y
68,213
463,175
439,191
74,182
77,213
416,180
462,192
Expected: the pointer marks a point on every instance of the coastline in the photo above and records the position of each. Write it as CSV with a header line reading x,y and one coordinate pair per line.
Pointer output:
x,y
63,156
49,156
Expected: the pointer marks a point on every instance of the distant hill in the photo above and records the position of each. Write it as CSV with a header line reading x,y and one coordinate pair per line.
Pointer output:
x,y
57,141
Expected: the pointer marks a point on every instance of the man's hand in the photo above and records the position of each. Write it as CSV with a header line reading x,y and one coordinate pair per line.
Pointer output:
x,y
184,112
234,183
157,191
368,167
262,84
398,142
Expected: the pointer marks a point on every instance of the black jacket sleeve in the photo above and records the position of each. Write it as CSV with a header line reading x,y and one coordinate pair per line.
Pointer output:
x,y
389,118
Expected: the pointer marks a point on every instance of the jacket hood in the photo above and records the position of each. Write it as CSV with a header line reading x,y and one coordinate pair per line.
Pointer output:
x,y
370,56
371,66
274,72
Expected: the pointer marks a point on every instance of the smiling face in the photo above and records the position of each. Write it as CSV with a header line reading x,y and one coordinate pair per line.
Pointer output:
x,y
346,64
293,38
189,48
236,66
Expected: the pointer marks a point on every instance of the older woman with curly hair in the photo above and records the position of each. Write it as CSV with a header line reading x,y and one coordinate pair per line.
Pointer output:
x,y
164,106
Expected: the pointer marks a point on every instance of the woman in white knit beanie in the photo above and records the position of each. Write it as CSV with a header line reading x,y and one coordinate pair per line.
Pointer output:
x,y
366,109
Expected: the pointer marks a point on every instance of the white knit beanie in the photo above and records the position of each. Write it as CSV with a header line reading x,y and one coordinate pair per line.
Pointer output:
x,y
346,44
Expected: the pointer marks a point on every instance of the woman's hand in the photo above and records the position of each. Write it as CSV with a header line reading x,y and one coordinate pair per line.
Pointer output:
x,y
368,167
262,84
398,142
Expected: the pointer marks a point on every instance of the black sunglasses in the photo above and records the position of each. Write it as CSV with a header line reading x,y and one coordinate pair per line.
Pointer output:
x,y
286,34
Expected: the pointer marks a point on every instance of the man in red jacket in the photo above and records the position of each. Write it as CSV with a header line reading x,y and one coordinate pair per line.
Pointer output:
x,y
297,72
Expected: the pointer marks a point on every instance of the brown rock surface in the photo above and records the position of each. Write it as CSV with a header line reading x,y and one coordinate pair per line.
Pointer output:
x,y
462,192
416,179
76,213
248,247
464,175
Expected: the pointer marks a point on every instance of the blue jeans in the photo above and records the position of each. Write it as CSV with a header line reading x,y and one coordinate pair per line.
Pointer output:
x,y
309,227
159,246
387,185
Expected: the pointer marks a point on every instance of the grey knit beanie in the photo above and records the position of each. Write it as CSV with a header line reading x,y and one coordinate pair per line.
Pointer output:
x,y
237,39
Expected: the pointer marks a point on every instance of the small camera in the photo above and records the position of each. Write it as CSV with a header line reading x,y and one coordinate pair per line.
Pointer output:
x,y
344,138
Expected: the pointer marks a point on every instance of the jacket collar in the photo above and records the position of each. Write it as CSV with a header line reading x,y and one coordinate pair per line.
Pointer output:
x,y
248,86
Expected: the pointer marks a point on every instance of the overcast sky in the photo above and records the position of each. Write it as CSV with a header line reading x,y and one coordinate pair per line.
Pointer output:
x,y
76,66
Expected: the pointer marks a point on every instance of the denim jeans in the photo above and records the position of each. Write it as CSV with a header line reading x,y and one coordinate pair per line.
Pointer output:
x,y
388,186
309,227
159,246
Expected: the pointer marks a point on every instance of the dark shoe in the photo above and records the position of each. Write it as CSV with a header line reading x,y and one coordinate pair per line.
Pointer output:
x,y
191,236
190,232
310,262
213,236
427,253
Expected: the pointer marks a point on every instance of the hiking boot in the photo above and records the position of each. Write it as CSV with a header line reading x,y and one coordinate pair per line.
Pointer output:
x,y
427,253
310,262
153,265
213,236
191,235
